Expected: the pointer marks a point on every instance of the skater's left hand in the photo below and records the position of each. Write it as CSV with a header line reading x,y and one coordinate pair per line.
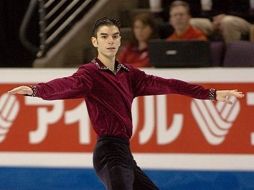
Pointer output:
x,y
224,95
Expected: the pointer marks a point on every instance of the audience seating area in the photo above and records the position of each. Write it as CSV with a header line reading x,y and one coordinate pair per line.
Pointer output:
x,y
239,54
234,54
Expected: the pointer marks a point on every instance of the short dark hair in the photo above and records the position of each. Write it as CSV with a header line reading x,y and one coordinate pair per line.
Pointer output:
x,y
180,3
105,21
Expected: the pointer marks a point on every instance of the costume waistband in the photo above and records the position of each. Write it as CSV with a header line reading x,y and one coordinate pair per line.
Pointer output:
x,y
114,139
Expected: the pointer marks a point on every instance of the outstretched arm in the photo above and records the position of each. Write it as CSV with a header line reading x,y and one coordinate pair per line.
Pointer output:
x,y
144,84
75,86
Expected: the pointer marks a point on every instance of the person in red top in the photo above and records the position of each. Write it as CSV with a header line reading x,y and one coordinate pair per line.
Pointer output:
x,y
179,12
109,88
136,52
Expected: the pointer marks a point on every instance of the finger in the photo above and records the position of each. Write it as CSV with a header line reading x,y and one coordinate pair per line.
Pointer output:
x,y
13,91
18,90
241,95
237,94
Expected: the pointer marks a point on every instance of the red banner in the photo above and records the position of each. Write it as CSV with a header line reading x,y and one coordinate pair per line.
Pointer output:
x,y
161,124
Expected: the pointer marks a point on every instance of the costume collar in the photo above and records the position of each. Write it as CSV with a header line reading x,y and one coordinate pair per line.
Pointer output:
x,y
101,66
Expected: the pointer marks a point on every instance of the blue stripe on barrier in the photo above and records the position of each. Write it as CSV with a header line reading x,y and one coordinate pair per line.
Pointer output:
x,y
85,179
48,179
203,180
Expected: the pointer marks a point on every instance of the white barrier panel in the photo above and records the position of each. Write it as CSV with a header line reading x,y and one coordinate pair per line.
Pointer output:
x,y
169,131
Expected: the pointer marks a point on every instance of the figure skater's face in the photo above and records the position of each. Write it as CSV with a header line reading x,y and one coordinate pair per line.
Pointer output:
x,y
107,40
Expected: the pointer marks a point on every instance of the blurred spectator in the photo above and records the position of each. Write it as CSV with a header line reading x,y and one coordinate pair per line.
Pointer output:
x,y
203,24
224,27
231,28
195,8
136,51
180,16
239,8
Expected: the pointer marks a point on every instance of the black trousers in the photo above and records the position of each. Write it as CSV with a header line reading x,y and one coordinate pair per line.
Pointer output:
x,y
115,166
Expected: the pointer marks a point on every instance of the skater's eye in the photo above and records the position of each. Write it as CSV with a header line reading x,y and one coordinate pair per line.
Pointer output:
x,y
116,36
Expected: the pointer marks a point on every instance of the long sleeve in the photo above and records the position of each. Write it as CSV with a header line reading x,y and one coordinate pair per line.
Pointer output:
x,y
75,86
144,84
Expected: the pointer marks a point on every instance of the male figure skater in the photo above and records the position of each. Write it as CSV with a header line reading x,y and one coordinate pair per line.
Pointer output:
x,y
109,88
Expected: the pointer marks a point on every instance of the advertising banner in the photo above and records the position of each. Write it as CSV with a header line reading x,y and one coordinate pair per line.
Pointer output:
x,y
172,134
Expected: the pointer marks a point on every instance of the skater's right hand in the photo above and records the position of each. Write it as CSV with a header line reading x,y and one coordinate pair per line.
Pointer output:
x,y
25,90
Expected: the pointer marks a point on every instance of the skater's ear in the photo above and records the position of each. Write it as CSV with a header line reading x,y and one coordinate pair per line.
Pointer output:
x,y
94,41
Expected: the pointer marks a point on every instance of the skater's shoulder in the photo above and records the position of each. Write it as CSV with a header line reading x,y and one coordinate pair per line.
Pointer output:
x,y
89,66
